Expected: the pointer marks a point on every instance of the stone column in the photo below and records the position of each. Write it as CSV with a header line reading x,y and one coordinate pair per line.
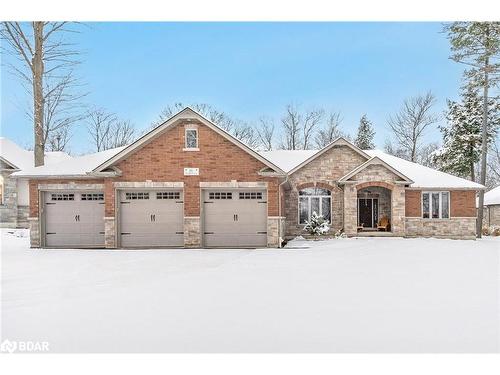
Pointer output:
x,y
192,232
110,232
8,210
398,210
275,230
350,210
34,232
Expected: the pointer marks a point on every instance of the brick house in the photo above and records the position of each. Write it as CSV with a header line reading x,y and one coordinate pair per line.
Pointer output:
x,y
188,183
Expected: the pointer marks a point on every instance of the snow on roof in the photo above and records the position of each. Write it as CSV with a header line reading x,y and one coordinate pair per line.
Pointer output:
x,y
24,159
287,159
78,166
422,176
492,196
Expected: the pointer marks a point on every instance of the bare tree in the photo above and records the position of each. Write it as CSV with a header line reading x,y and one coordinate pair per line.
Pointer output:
x,y
330,131
494,164
410,123
122,133
265,133
311,121
292,126
99,124
45,63
58,140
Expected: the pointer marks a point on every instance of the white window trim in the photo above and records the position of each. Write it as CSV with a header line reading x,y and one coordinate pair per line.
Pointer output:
x,y
186,148
430,192
309,206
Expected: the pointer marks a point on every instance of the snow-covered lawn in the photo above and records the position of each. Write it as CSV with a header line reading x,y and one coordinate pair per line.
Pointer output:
x,y
351,295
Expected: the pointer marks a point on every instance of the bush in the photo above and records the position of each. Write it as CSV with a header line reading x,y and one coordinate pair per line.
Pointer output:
x,y
317,225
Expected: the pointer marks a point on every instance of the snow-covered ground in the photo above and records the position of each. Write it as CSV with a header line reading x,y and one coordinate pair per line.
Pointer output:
x,y
348,295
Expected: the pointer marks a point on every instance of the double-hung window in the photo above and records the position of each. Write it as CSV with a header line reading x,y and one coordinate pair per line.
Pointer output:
x,y
436,204
314,200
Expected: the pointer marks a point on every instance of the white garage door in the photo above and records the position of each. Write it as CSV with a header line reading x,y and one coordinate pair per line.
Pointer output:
x,y
235,218
151,218
74,219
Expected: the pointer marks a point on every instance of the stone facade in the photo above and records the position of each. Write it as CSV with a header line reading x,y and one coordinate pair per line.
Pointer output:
x,y
192,232
324,171
110,232
491,215
275,231
8,206
375,175
34,224
457,228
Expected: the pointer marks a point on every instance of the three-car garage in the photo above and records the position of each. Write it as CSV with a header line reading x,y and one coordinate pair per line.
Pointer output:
x,y
155,218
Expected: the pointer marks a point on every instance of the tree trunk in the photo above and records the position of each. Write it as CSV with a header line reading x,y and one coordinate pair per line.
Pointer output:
x,y
472,172
38,93
484,150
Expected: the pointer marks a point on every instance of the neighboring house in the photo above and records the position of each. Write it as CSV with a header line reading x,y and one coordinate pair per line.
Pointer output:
x,y
14,195
189,183
491,213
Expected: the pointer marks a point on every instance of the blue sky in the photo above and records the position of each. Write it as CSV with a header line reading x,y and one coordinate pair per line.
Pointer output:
x,y
253,69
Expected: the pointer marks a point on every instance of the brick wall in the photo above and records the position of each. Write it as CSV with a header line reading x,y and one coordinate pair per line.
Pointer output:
x,y
413,205
463,203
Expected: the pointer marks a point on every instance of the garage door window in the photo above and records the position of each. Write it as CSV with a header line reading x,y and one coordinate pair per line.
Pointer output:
x,y
62,197
314,200
168,195
92,197
133,196
251,195
220,195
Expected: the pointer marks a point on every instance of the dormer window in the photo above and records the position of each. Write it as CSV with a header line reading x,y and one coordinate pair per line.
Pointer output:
x,y
191,140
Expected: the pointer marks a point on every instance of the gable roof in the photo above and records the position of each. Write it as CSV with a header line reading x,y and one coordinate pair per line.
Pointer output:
x,y
425,177
492,197
78,167
288,159
375,161
341,141
186,114
19,158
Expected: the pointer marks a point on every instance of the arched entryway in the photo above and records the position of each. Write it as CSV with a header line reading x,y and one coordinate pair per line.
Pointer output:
x,y
374,207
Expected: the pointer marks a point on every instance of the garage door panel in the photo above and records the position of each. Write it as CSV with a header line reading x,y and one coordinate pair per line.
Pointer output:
x,y
72,220
151,219
239,220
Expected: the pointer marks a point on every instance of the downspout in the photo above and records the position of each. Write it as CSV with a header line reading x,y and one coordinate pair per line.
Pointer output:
x,y
280,234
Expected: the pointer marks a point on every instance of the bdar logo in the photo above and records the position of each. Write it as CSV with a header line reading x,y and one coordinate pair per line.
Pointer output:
x,y
8,346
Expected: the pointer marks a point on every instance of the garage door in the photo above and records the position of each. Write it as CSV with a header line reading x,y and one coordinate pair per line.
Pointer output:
x,y
74,219
235,218
151,218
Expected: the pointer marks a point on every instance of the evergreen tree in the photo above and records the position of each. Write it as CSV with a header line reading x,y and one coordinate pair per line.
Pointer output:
x,y
364,138
462,139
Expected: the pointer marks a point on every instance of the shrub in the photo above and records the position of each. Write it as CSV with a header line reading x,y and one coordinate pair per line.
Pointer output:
x,y
317,225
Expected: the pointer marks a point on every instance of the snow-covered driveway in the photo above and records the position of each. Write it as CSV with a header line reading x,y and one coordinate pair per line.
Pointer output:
x,y
354,295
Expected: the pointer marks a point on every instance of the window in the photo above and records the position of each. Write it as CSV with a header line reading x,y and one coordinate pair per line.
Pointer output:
x,y
168,195
250,195
62,197
191,136
314,200
132,196
220,195
436,205
92,197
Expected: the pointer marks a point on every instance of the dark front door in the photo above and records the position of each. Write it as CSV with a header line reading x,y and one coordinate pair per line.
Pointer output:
x,y
365,212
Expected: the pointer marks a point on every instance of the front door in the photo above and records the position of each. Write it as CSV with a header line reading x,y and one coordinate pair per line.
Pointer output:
x,y
367,212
